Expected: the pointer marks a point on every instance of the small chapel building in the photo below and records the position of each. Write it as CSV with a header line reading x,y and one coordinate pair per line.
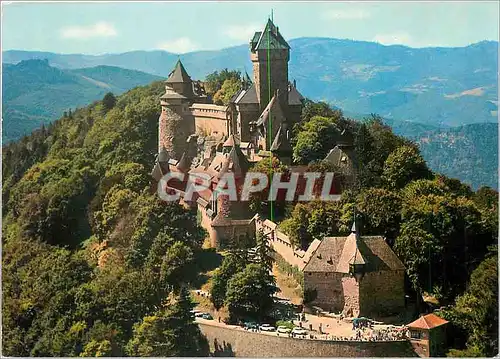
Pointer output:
x,y
356,275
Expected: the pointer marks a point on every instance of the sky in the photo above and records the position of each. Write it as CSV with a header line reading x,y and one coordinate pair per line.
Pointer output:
x,y
180,27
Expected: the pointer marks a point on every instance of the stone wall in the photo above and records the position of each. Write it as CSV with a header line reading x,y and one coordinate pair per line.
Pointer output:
x,y
351,296
210,118
174,127
382,293
234,342
206,126
206,223
281,243
239,230
326,290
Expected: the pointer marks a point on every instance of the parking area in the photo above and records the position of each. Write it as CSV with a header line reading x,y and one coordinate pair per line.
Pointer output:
x,y
319,328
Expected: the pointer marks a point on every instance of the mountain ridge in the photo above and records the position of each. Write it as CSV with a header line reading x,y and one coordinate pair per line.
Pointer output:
x,y
441,86
415,90
35,93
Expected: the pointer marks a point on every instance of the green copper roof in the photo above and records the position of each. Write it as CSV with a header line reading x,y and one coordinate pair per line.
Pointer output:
x,y
179,74
270,38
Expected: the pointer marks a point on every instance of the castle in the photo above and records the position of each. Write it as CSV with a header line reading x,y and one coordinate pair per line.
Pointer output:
x,y
198,137
203,140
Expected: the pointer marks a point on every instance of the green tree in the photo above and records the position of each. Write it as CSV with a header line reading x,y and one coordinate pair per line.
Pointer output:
x,y
250,293
215,80
380,211
456,240
233,262
316,137
476,311
404,165
169,332
227,90
108,101
177,266
263,252
322,109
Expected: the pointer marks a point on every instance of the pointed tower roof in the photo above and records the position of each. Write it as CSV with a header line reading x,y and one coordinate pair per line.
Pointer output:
x,y
357,258
163,156
354,228
281,143
269,38
179,74
184,163
161,165
246,81
235,162
272,107
294,96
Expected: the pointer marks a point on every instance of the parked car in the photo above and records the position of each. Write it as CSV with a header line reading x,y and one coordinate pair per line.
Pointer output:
x,y
267,328
299,331
250,326
207,316
199,314
283,330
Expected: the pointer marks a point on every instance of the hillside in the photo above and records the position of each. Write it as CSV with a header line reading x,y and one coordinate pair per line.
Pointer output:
x,y
469,153
35,93
94,264
436,86
88,251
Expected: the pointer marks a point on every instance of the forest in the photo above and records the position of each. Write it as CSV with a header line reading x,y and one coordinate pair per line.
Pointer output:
x,y
94,264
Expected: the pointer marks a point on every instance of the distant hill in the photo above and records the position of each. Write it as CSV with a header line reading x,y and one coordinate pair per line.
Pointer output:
x,y
35,92
469,153
436,86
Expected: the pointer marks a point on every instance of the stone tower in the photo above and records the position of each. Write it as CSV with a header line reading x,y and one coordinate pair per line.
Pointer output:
x,y
270,54
176,122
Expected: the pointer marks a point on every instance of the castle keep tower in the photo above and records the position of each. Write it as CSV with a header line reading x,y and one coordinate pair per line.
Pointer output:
x,y
270,54
176,122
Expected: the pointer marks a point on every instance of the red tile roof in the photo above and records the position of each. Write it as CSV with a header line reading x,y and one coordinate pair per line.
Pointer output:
x,y
428,321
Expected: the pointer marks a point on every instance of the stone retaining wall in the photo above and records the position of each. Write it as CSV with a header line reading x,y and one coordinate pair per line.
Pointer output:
x,y
232,342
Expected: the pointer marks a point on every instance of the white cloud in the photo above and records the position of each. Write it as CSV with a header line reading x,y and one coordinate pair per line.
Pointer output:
x,y
178,46
100,29
348,14
241,32
397,38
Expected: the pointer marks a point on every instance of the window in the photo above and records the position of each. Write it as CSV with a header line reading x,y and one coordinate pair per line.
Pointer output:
x,y
416,334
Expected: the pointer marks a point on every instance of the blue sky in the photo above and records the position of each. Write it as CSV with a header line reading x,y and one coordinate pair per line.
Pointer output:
x,y
96,28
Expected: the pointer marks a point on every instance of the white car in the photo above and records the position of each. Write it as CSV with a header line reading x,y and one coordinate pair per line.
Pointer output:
x,y
299,331
283,330
267,328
